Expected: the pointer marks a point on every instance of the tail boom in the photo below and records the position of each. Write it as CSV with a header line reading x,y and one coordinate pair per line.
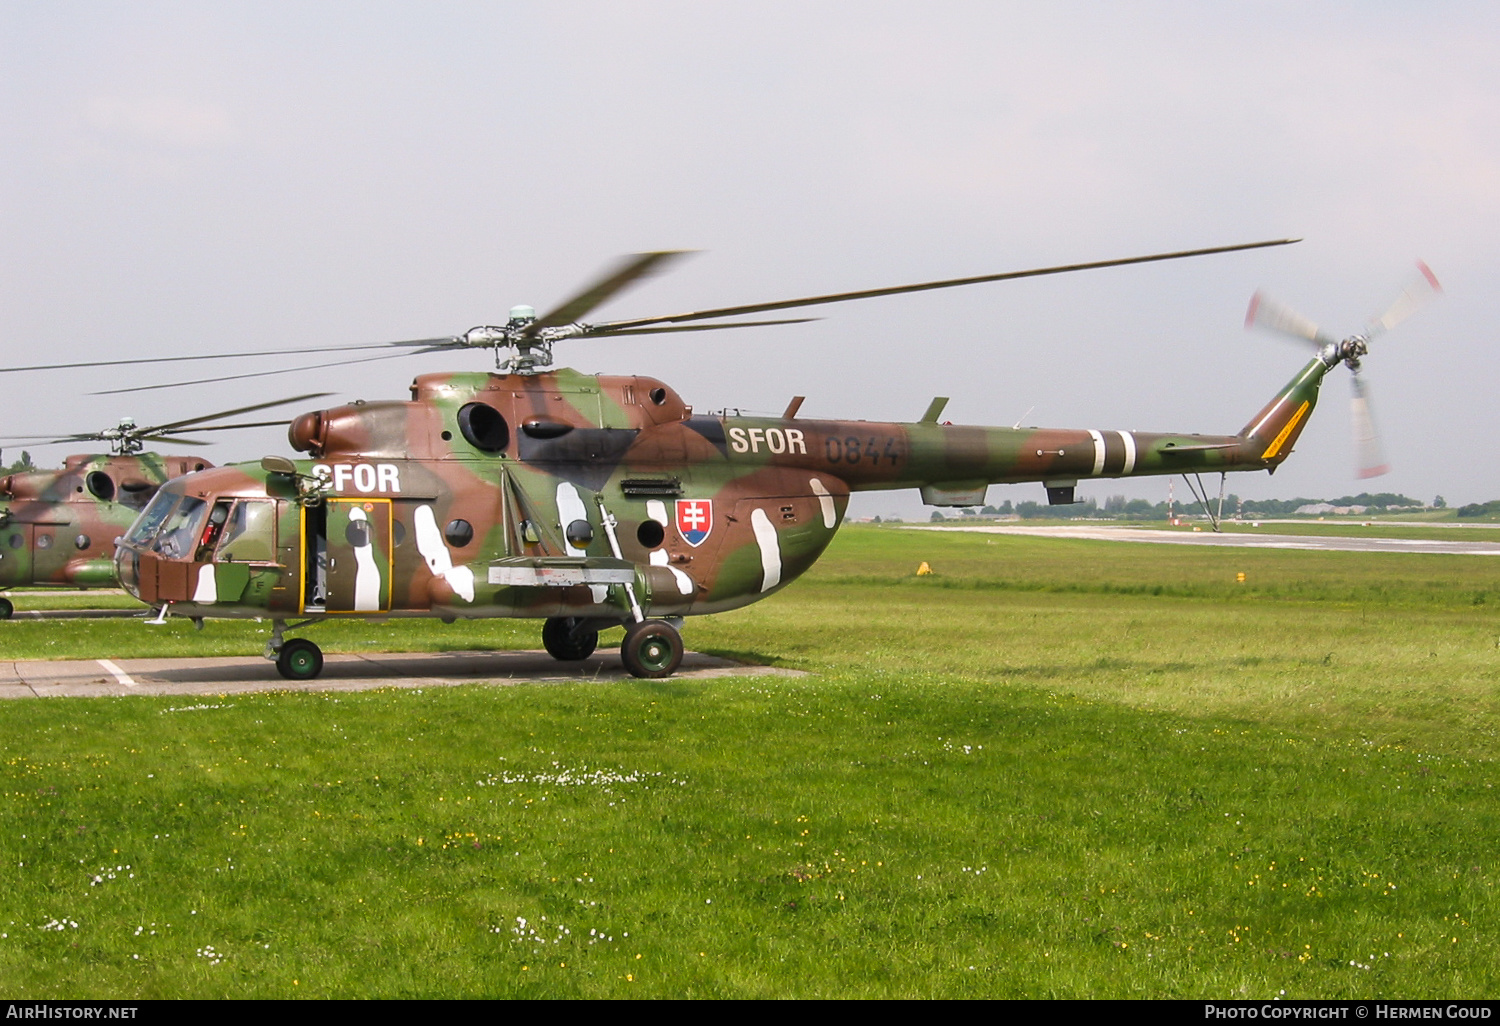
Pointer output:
x,y
959,461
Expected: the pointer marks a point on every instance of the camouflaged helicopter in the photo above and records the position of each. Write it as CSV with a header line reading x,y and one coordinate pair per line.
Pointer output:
x,y
595,501
59,527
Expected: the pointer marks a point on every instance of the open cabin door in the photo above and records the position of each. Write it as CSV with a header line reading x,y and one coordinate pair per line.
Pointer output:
x,y
348,556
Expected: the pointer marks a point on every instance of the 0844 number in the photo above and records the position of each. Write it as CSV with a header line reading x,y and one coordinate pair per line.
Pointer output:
x,y
861,450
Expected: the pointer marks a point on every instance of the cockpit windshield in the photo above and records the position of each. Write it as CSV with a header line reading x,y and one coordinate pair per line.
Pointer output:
x,y
179,534
149,520
170,524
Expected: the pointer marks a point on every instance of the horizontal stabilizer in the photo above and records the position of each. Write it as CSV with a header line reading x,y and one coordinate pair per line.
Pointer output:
x,y
1167,450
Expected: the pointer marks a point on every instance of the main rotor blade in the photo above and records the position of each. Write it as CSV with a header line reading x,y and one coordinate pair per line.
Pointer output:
x,y
1266,313
49,440
204,356
176,424
1420,291
228,427
626,272
842,297
172,440
256,374
1367,448
699,327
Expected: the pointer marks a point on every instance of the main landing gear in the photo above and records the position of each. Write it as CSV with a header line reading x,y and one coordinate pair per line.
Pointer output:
x,y
297,659
652,648
569,639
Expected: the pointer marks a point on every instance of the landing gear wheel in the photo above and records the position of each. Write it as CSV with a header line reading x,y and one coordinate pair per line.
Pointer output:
x,y
563,642
6,608
299,659
652,648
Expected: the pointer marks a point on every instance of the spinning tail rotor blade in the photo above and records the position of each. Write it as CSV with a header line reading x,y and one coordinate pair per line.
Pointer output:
x,y
1266,313
1419,292
1367,448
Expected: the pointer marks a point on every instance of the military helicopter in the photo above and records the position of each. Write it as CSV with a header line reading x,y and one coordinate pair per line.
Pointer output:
x,y
594,501
59,527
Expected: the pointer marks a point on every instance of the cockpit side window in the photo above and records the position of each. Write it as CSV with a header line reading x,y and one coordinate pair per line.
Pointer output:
x,y
250,536
217,517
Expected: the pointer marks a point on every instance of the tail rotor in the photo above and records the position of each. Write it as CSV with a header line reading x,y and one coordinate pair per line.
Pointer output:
x,y
1267,313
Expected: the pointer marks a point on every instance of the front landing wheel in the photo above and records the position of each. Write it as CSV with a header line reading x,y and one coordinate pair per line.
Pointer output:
x,y
565,641
6,608
652,648
299,659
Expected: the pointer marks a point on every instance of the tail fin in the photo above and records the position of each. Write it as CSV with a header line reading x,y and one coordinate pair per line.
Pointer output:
x,y
1275,428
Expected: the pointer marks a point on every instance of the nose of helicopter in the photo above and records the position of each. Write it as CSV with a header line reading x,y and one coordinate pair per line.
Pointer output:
x,y
128,568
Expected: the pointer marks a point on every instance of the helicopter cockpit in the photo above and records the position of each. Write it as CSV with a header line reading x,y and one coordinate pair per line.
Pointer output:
x,y
169,524
191,532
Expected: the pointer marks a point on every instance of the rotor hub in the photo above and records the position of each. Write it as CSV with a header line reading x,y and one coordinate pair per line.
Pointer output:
x,y
125,439
1351,349
532,346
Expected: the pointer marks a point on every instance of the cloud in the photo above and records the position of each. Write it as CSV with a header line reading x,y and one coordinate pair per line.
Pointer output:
x,y
164,122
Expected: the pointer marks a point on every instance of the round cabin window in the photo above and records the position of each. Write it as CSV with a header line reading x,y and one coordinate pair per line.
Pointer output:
x,y
459,533
650,533
579,534
82,542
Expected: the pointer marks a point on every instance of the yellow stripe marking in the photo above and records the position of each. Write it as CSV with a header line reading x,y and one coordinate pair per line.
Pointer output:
x,y
302,558
1286,432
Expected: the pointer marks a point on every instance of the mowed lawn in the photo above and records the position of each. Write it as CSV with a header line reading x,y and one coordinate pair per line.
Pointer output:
x,y
1052,768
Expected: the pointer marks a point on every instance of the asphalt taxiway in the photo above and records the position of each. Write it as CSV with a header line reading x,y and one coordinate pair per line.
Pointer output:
x,y
364,672
1235,539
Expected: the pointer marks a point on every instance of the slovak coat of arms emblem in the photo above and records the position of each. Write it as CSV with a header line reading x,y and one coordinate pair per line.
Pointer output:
x,y
695,519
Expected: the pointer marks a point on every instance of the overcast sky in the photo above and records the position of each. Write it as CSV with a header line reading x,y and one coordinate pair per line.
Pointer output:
x,y
184,178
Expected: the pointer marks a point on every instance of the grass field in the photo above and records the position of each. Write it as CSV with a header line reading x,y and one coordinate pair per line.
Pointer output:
x,y
1054,768
1353,527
